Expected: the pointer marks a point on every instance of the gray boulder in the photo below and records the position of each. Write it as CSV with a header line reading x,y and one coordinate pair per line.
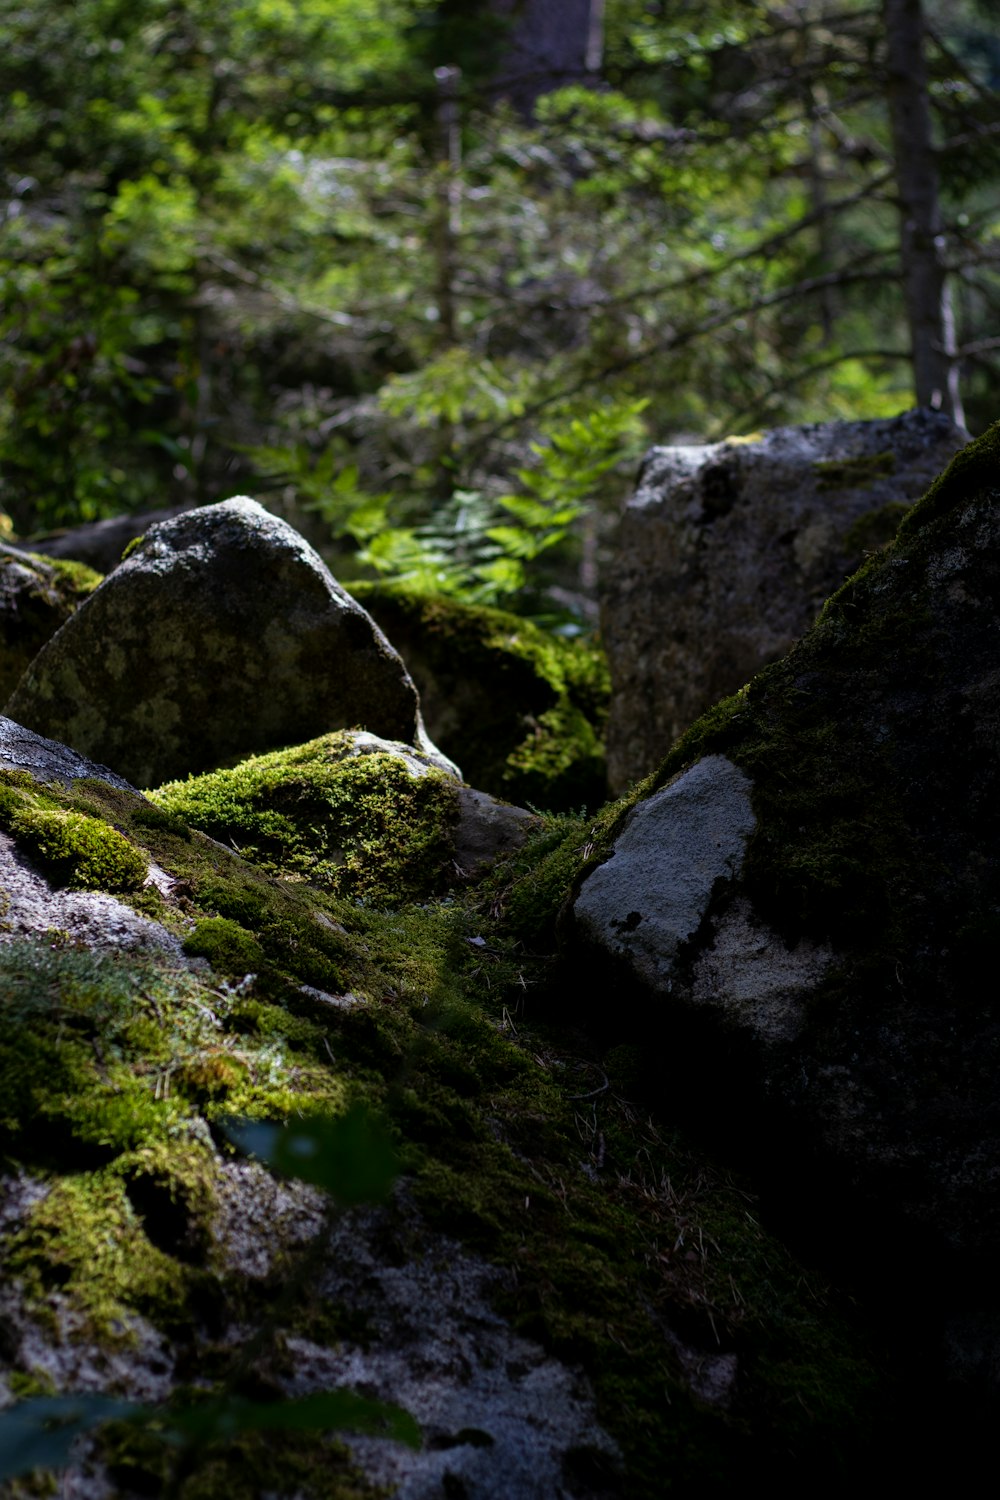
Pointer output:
x,y
801,920
222,634
727,552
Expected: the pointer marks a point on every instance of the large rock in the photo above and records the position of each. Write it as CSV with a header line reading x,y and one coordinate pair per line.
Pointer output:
x,y
726,553
801,919
223,633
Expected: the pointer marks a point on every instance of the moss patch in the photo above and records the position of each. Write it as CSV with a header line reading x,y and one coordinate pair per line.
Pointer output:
x,y
359,825
73,849
523,712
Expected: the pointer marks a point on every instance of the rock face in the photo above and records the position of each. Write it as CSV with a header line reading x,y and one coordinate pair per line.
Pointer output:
x,y
727,552
222,634
805,912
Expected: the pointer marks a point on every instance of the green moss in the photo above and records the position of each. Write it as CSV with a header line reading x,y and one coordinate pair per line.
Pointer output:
x,y
242,1467
112,1069
75,578
358,825
976,469
86,1238
876,529
72,847
80,851
227,946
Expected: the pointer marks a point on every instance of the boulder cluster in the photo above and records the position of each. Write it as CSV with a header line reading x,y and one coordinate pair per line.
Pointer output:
x,y
364,1132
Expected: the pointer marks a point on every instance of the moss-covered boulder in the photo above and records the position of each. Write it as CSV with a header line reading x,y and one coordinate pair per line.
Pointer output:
x,y
557,1296
799,913
522,711
353,814
37,596
221,634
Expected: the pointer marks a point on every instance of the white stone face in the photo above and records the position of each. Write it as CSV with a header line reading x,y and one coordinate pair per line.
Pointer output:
x,y
654,891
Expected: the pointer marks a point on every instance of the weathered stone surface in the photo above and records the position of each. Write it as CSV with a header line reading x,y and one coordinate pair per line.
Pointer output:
x,y
673,852
726,553
222,634
36,597
832,992
46,760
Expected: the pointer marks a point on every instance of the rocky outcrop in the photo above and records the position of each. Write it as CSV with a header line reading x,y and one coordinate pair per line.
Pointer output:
x,y
36,598
801,916
222,634
727,552
539,1301
526,709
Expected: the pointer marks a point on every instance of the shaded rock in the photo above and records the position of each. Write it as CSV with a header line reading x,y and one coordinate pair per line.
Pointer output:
x,y
36,597
521,710
500,1417
727,552
824,992
100,544
222,634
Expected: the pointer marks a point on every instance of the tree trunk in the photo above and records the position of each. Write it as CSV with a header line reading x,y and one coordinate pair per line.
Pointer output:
x,y
551,43
928,302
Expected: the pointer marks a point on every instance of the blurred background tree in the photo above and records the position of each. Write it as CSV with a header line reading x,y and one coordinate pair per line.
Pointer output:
x,y
425,276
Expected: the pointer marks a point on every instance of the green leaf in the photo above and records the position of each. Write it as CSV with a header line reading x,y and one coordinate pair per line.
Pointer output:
x,y
224,1416
350,1156
39,1433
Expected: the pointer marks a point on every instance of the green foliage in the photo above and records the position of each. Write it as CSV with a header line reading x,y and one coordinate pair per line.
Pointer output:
x,y
225,244
481,549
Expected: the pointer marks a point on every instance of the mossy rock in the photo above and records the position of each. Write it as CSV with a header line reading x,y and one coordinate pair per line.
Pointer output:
x,y
588,1250
520,710
37,596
